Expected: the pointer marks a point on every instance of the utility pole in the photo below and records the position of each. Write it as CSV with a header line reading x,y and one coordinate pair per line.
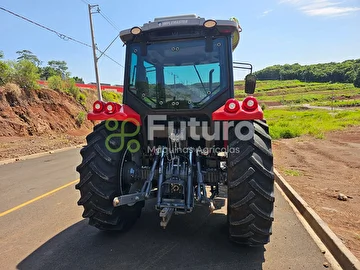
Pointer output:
x,y
98,86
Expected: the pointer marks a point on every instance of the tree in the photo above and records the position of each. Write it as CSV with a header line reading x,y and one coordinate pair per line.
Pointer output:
x,y
47,72
25,74
357,79
78,80
1,55
29,56
60,67
343,72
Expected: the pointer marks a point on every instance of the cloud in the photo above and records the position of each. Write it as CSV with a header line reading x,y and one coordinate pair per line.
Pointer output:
x,y
322,7
332,11
266,12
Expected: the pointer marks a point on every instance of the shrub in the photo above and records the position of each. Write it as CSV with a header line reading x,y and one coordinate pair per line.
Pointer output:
x,y
25,74
55,82
74,91
289,133
4,73
80,118
70,87
82,99
112,96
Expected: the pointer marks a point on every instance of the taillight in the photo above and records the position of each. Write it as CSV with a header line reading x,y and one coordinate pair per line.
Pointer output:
x,y
110,107
98,106
250,104
232,105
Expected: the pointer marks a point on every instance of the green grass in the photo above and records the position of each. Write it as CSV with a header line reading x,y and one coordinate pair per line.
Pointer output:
x,y
338,103
273,84
266,86
291,172
294,122
296,92
303,98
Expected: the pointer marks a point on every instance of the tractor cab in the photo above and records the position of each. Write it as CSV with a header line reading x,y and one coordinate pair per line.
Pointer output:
x,y
179,63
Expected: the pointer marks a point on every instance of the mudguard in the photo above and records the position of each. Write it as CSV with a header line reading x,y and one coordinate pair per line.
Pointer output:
x,y
124,113
242,114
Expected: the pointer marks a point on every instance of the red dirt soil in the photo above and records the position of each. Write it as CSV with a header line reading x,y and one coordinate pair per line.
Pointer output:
x,y
39,120
321,169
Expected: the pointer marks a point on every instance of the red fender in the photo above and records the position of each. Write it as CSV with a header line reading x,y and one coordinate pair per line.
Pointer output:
x,y
238,111
123,112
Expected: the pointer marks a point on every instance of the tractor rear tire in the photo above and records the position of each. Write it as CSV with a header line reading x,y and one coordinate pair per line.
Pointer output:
x,y
100,182
250,186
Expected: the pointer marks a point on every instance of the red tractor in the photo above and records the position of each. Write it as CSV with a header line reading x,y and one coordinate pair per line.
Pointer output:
x,y
180,134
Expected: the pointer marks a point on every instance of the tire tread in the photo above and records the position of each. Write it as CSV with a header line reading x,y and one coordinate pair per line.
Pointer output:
x,y
99,184
251,188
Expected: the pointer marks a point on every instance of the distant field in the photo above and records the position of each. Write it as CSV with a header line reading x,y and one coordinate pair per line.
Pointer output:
x,y
294,92
296,121
293,120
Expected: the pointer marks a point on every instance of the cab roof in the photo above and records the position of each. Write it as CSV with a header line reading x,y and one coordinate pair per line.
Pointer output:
x,y
185,26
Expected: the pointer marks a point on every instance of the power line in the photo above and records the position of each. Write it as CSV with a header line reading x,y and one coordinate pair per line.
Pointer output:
x,y
109,20
116,62
112,42
60,35
113,25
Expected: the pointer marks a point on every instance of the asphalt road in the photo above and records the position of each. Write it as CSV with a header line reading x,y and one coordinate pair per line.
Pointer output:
x,y
49,232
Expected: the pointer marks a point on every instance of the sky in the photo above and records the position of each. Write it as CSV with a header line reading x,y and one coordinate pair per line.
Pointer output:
x,y
274,31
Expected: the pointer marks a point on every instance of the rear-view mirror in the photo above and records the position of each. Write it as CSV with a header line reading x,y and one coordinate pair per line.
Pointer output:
x,y
250,84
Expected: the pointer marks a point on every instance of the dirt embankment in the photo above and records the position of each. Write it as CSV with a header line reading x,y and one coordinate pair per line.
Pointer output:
x,y
319,170
40,120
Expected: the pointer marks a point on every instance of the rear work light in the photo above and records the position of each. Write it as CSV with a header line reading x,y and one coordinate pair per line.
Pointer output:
x,y
210,23
250,104
232,105
98,106
135,30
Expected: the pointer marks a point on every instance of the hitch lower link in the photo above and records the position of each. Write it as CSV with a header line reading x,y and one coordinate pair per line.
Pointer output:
x,y
145,192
